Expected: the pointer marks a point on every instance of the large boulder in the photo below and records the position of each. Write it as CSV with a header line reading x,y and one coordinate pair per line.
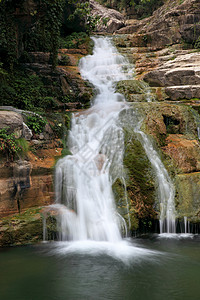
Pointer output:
x,y
110,19
12,121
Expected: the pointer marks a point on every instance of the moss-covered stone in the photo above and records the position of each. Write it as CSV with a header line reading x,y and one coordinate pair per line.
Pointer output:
x,y
173,131
25,228
188,189
136,191
135,90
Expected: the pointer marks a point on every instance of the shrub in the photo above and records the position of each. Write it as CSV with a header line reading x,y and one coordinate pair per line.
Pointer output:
x,y
36,123
9,145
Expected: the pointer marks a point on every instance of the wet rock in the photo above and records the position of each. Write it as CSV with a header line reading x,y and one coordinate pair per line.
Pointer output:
x,y
21,229
135,90
27,133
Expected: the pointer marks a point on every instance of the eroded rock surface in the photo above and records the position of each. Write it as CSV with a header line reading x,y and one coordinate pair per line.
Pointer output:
x,y
112,19
170,24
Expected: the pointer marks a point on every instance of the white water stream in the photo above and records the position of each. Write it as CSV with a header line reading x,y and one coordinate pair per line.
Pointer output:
x,y
165,189
83,180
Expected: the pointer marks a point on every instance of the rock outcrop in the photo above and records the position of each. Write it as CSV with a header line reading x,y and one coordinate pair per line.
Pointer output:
x,y
65,80
173,132
171,24
179,74
110,20
11,121
27,181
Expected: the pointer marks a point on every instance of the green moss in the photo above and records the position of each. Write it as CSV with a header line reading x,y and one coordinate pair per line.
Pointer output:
x,y
140,185
188,189
26,228
138,166
134,90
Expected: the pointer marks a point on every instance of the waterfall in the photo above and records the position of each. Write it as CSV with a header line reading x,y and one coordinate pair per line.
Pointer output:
x,y
83,180
185,224
165,188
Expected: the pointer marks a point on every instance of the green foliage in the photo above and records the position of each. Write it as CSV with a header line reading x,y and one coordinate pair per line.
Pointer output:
x,y
81,13
74,40
8,43
197,43
36,123
23,145
64,60
44,36
25,91
3,72
43,31
8,144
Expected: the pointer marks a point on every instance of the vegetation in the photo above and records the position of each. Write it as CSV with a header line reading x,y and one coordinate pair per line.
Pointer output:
x,y
48,20
10,145
23,91
36,123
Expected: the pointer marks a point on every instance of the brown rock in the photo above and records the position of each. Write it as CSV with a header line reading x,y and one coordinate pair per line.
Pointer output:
x,y
185,153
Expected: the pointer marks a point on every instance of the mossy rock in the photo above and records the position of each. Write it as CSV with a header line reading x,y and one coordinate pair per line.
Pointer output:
x,y
25,228
139,183
188,188
134,90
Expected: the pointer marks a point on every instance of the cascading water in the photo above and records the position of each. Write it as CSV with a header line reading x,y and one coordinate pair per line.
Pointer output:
x,y
165,187
84,179
166,190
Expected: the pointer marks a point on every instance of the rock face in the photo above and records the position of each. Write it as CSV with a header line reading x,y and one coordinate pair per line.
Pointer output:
x,y
65,80
25,184
170,24
113,19
173,131
180,76
27,181
188,187
155,45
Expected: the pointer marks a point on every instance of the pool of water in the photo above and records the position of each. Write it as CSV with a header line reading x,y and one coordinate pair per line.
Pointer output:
x,y
151,268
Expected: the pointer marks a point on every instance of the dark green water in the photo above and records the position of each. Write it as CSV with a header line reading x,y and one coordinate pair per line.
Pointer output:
x,y
42,273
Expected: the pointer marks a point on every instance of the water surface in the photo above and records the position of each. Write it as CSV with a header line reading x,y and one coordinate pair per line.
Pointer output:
x,y
166,269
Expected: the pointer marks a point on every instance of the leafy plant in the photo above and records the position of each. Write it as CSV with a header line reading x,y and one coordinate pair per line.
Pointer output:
x,y
36,123
23,145
74,40
197,43
64,60
8,144
25,91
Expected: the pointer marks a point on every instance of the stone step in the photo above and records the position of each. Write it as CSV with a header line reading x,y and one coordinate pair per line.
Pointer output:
x,y
183,92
